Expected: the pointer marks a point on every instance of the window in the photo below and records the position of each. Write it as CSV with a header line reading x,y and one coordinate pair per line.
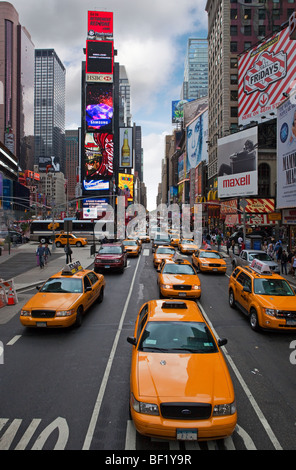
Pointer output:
x,y
233,46
233,111
233,13
233,30
248,30
233,79
263,179
248,14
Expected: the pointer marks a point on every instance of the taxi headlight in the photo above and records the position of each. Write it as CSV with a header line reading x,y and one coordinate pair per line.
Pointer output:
x,y
144,408
64,313
225,409
25,313
196,287
166,286
270,311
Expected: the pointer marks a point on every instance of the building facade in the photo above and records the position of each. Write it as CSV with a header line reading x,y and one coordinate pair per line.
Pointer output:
x,y
195,84
72,161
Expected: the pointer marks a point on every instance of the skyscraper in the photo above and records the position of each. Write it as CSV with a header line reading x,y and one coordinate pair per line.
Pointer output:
x,y
195,84
50,77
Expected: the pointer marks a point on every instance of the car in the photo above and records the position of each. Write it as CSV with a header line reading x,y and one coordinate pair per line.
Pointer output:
x,y
64,298
246,257
160,240
132,247
180,386
187,246
111,256
144,238
63,239
11,236
209,261
178,279
175,240
265,297
161,253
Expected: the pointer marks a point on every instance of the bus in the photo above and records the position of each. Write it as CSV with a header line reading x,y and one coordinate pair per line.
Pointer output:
x,y
42,230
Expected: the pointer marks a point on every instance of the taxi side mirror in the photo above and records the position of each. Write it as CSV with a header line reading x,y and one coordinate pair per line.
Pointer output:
x,y
132,340
222,342
247,289
88,288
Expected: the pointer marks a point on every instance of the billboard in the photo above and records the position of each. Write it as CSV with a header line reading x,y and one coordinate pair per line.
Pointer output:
x,y
177,110
126,147
99,107
99,57
52,163
96,185
99,23
237,164
286,153
265,73
126,185
98,155
197,135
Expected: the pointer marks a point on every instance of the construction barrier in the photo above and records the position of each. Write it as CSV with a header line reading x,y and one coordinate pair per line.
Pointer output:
x,y
8,294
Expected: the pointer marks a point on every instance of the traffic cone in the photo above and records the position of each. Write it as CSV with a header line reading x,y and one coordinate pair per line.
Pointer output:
x,y
10,297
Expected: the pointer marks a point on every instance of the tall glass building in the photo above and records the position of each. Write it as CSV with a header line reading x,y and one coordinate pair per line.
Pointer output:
x,y
195,84
49,106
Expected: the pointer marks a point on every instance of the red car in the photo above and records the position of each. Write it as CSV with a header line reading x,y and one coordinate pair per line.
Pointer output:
x,y
111,256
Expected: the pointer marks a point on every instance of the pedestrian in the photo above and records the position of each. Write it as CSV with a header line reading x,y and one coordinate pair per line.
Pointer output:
x,y
270,250
68,252
47,253
228,245
284,260
232,245
218,240
240,241
40,255
293,264
279,253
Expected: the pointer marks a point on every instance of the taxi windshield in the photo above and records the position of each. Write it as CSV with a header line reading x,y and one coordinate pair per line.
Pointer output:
x,y
163,251
278,287
62,284
178,269
107,250
188,242
171,337
209,254
260,256
130,242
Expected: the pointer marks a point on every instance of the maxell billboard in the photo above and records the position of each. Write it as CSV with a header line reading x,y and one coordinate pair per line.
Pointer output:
x,y
237,164
265,73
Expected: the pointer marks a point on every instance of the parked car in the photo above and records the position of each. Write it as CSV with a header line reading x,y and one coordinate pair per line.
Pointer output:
x,y
111,256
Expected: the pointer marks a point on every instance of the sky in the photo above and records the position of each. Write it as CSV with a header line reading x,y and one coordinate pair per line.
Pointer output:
x,y
150,39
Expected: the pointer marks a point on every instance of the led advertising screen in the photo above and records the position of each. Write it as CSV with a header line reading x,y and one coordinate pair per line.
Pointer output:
x,y
98,155
126,185
197,136
99,107
177,110
265,73
100,23
237,164
96,185
99,57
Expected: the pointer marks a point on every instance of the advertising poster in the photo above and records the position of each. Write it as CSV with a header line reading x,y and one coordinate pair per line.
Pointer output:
x,y
98,155
286,154
197,135
126,147
265,73
99,107
126,185
96,185
177,110
99,23
237,164
99,57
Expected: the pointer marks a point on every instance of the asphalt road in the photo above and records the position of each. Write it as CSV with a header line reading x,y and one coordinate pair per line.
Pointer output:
x,y
68,389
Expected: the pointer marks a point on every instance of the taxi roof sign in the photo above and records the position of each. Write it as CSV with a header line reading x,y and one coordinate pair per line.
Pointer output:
x,y
72,268
260,267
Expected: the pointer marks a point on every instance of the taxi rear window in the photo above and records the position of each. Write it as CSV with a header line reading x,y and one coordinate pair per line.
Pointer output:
x,y
62,284
273,287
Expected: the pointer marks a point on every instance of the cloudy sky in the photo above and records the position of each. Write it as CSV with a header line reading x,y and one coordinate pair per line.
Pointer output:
x,y
151,39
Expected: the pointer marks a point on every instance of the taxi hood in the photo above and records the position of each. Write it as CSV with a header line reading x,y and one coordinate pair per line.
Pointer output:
x,y
50,301
202,377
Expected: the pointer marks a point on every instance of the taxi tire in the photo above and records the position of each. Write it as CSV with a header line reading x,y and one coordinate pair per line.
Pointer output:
x,y
101,296
58,244
253,318
78,244
231,299
79,317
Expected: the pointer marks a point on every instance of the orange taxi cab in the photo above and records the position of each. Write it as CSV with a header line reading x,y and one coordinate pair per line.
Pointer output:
x,y
175,240
64,298
162,253
187,246
132,247
178,279
180,386
209,261
63,239
265,297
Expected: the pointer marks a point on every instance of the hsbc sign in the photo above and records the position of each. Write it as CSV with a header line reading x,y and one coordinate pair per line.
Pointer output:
x,y
267,69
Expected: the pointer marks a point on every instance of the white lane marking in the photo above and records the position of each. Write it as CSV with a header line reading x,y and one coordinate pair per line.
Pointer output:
x,y
28,435
13,340
146,252
246,389
97,407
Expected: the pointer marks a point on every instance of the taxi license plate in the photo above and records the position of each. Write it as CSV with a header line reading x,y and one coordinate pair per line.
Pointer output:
x,y
182,294
291,322
187,434
41,324
215,269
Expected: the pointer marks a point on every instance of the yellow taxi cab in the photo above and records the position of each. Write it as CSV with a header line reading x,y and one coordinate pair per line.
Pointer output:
x,y
265,297
187,246
132,247
64,298
209,261
161,253
180,386
178,279
175,240
63,238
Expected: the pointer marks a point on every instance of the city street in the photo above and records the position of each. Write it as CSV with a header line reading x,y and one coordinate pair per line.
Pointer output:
x,y
69,389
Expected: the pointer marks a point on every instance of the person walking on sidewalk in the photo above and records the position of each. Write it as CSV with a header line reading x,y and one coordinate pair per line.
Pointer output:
x,y
68,252
284,260
293,264
47,253
40,255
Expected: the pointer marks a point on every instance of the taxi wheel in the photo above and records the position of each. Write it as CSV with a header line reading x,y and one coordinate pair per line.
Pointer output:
x,y
79,316
231,299
101,296
254,323
78,244
58,244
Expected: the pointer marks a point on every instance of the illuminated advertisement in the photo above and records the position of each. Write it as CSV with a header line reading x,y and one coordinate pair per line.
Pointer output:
x,y
237,164
265,73
126,185
100,23
177,110
98,155
99,57
197,136
96,185
126,147
99,107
